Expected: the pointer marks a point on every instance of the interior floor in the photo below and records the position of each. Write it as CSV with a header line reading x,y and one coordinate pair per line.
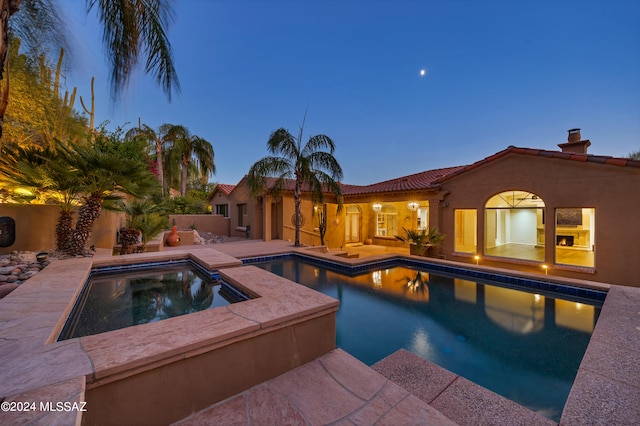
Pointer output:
x,y
564,255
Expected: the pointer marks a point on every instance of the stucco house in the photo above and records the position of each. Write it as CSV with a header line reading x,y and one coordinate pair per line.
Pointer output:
x,y
566,212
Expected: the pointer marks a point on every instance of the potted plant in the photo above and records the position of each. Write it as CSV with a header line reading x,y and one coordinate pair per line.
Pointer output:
x,y
144,221
422,242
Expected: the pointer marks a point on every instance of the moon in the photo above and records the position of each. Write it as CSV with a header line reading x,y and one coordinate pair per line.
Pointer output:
x,y
423,72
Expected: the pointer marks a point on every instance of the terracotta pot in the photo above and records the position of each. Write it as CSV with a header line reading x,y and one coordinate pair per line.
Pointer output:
x,y
173,239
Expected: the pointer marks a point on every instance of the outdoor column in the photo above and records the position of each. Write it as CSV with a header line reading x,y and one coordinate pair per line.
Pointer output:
x,y
266,217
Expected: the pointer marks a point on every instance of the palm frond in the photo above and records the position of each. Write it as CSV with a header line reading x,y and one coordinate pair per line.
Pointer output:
x,y
318,143
282,143
130,26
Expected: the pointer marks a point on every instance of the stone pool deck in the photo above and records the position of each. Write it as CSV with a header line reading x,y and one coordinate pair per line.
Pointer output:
x,y
333,388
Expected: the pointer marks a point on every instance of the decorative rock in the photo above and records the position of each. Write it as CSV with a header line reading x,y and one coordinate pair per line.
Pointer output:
x,y
26,275
27,257
18,267
6,270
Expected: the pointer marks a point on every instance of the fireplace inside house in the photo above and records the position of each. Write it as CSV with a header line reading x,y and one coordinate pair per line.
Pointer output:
x,y
564,240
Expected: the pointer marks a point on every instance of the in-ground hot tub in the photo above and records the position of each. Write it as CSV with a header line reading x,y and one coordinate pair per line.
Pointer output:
x,y
116,297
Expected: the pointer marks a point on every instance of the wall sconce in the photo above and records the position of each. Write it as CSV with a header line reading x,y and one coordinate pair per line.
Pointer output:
x,y
413,205
377,207
445,204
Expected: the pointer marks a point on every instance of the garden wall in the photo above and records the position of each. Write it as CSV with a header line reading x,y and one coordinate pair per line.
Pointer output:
x,y
35,228
213,223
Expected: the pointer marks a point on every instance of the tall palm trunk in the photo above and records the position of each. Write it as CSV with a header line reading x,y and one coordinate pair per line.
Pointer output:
x,y
184,174
159,165
296,202
64,229
87,215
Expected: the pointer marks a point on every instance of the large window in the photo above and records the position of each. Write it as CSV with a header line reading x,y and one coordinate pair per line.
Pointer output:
x,y
242,215
387,221
514,226
575,236
465,230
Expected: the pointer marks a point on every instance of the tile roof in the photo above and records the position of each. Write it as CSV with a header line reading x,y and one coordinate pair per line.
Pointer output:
x,y
417,181
572,156
431,179
225,188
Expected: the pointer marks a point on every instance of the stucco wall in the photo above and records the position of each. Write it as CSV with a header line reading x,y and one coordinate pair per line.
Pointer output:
x,y
213,223
309,232
611,190
36,224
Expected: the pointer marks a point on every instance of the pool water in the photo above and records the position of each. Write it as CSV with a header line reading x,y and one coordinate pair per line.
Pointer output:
x,y
122,299
524,346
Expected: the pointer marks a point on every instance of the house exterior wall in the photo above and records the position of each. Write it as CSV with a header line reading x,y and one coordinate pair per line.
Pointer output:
x,y
611,190
219,198
241,195
309,232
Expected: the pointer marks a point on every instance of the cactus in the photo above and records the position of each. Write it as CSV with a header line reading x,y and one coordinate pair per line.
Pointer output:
x,y
91,112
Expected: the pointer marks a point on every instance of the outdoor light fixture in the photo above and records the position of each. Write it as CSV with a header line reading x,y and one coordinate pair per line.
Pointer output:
x,y
413,205
477,258
546,269
377,207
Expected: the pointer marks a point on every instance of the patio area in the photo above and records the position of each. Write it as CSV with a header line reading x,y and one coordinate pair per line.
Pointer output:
x,y
332,388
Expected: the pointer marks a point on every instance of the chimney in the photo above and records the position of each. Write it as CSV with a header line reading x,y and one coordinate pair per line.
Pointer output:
x,y
574,143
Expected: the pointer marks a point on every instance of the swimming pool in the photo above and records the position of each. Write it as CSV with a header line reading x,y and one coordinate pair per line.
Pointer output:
x,y
123,296
524,345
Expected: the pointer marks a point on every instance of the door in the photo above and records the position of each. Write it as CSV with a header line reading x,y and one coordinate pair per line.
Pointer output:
x,y
352,224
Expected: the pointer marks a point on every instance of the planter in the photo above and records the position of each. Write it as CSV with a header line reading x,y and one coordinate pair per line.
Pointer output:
x,y
173,239
42,257
424,251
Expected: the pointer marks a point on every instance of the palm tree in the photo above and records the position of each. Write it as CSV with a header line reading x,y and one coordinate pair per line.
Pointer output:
x,y
192,153
312,165
158,141
105,175
77,175
131,29
39,171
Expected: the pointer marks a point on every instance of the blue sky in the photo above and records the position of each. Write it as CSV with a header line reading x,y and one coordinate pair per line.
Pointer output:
x,y
498,73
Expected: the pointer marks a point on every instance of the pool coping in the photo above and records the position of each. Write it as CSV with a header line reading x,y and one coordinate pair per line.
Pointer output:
x,y
603,392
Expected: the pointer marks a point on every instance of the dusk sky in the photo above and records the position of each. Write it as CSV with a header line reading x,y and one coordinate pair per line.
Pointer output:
x,y
497,73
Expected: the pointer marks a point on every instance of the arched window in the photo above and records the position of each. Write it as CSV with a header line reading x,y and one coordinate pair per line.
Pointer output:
x,y
387,221
514,226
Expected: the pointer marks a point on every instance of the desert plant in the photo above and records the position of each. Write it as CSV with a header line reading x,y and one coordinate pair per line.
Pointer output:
x,y
421,240
145,220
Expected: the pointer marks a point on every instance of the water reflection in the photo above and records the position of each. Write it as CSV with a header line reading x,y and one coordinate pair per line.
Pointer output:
x,y
170,295
417,286
123,300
